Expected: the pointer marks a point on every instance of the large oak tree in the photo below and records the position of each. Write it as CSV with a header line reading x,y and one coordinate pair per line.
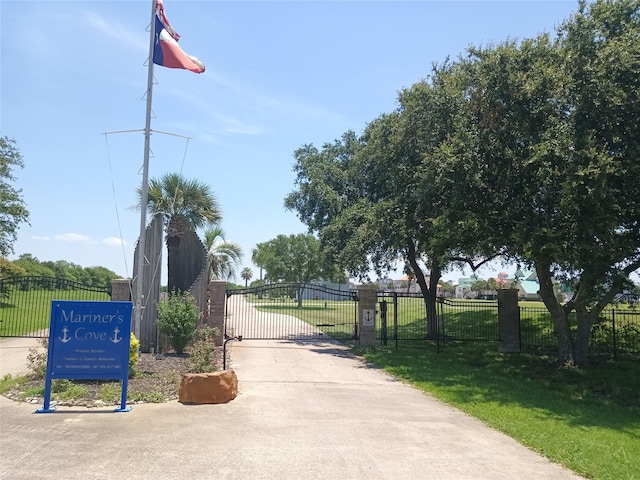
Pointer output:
x,y
548,146
374,204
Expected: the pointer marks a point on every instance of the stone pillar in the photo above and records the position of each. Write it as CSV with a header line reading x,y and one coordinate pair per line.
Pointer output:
x,y
508,321
217,301
121,290
368,299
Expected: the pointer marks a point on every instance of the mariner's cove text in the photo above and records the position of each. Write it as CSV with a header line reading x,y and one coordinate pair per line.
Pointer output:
x,y
88,341
71,317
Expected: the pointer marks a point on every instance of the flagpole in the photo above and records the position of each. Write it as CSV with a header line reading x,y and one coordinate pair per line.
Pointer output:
x,y
144,197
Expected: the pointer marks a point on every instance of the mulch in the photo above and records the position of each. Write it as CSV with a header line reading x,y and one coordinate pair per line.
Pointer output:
x,y
157,380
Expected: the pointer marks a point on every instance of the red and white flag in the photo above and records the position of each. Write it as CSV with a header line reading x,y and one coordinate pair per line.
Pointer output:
x,y
166,51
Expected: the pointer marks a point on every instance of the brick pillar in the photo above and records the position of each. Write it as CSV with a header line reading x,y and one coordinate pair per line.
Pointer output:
x,y
508,321
217,300
368,298
121,290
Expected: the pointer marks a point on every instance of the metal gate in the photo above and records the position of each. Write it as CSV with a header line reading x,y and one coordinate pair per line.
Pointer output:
x,y
25,302
292,311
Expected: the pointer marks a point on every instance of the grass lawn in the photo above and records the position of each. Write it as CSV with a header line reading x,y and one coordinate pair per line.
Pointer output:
x,y
24,312
585,419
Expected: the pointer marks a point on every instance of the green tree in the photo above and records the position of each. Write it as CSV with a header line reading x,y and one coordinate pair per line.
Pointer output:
x,y
33,266
480,285
13,210
223,256
256,258
448,289
246,275
601,60
99,276
546,149
96,276
65,270
298,259
10,269
374,202
185,205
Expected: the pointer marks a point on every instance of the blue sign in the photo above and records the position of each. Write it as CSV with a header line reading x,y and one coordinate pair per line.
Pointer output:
x,y
88,341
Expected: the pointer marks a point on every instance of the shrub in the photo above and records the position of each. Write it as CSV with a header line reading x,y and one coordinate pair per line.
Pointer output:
x,y
178,316
628,338
134,346
202,359
37,359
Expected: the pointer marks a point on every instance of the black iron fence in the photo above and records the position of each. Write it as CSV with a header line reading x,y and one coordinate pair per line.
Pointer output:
x,y
619,329
616,332
406,318
25,302
536,328
470,320
317,311
403,317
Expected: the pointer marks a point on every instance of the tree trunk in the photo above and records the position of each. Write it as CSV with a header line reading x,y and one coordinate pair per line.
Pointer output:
x,y
586,318
432,315
428,291
300,292
585,323
559,316
566,355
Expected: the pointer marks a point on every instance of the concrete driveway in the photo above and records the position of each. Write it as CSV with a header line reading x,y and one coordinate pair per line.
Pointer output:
x,y
304,411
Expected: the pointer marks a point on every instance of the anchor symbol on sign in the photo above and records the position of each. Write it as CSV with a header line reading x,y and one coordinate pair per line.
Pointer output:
x,y
64,338
115,338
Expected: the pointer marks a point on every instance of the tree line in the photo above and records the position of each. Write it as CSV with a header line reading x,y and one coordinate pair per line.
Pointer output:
x,y
28,265
524,150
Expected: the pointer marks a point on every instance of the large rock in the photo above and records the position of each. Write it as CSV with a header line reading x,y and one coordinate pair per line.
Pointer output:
x,y
216,387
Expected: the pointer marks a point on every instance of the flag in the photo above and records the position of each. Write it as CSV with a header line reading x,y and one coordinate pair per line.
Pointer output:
x,y
166,51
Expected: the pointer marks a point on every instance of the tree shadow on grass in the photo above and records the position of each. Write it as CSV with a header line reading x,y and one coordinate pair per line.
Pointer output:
x,y
468,376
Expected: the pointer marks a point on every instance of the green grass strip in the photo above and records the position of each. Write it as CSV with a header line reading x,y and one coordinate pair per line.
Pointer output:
x,y
585,419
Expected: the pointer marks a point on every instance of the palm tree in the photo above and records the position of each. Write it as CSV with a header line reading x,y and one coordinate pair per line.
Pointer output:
x,y
185,205
256,258
246,275
223,256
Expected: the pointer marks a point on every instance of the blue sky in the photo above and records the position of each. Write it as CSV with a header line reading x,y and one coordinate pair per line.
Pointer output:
x,y
279,75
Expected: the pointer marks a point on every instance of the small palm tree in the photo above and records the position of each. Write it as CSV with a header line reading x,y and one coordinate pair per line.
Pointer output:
x,y
185,205
246,275
223,256
256,259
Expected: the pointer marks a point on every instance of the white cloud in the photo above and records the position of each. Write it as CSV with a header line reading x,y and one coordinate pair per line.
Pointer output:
x,y
116,32
243,101
73,238
236,126
114,242
82,239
